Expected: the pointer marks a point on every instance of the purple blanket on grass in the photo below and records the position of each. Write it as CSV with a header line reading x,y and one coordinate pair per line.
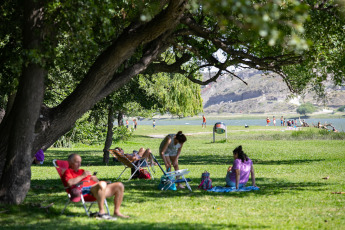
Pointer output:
x,y
232,189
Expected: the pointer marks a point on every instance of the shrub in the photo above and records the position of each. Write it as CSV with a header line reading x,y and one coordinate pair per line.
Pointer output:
x,y
341,108
121,133
306,108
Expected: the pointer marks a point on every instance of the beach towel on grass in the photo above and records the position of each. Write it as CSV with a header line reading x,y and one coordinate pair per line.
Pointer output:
x,y
232,189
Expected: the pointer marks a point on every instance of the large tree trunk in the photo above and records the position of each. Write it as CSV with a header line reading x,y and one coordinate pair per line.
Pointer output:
x,y
120,118
2,114
109,138
10,102
17,130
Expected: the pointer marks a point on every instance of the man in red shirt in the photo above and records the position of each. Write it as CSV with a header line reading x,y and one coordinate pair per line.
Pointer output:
x,y
93,187
203,121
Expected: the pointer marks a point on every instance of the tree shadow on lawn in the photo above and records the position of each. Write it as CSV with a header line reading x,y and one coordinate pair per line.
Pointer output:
x,y
44,192
141,190
221,160
285,162
145,137
138,191
56,221
95,158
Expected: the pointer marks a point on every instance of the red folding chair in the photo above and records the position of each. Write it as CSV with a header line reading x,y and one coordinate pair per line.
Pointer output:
x,y
61,166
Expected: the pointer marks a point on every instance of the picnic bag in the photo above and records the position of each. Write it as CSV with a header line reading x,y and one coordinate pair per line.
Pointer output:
x,y
144,174
167,183
206,182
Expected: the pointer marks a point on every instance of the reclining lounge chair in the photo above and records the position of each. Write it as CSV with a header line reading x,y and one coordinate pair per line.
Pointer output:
x,y
128,164
61,166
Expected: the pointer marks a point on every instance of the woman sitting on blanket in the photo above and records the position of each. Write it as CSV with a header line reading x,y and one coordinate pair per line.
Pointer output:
x,y
238,174
136,155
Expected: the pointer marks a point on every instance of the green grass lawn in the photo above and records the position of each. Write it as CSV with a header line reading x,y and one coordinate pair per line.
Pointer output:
x,y
289,169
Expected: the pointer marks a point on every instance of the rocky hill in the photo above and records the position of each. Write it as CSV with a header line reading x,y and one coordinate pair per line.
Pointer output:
x,y
263,94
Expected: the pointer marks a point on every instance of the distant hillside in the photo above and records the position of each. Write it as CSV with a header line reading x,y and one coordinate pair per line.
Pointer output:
x,y
264,94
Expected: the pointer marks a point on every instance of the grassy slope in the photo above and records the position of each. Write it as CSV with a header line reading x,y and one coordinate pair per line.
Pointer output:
x,y
289,172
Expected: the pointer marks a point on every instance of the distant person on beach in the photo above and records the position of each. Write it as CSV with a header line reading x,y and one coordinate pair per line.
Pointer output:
x,y
135,124
268,121
238,174
333,129
281,120
301,122
288,123
203,121
170,150
274,121
154,124
127,124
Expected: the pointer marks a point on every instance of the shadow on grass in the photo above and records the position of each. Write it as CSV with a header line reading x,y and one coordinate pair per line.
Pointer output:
x,y
44,192
223,159
140,191
285,162
144,136
92,158
87,223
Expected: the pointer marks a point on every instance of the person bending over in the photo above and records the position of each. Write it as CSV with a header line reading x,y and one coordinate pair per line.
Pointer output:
x,y
99,189
170,150
238,174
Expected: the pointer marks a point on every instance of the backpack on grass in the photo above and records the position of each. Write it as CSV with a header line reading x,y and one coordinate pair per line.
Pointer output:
x,y
206,182
144,174
167,183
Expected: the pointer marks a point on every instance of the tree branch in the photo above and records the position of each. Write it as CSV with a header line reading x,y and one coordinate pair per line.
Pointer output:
x,y
102,71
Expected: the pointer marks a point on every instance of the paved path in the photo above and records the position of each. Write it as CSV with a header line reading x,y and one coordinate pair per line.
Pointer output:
x,y
187,134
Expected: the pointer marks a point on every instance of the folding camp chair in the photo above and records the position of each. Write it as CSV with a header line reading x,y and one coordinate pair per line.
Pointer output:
x,y
170,177
128,164
61,166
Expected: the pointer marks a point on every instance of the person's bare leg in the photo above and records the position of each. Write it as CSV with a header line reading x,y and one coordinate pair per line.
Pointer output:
x,y
99,192
174,161
147,155
141,152
166,161
116,189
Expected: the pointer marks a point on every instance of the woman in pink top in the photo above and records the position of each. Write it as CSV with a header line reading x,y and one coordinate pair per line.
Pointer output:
x,y
238,174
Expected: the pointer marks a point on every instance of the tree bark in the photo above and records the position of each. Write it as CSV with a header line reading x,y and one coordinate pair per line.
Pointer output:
x,y
17,131
10,103
120,118
2,114
109,137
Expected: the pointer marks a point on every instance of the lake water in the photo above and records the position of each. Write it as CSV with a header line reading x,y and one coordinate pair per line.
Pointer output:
x,y
338,123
